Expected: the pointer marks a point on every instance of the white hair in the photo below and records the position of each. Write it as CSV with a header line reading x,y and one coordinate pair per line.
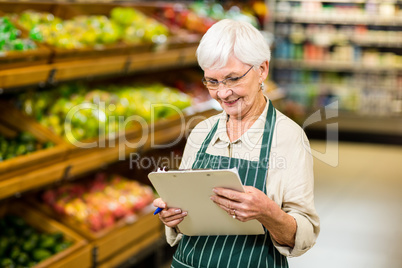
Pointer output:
x,y
228,38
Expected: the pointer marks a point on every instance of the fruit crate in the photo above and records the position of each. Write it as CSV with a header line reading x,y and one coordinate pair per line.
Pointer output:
x,y
111,240
16,59
78,252
67,11
160,132
13,122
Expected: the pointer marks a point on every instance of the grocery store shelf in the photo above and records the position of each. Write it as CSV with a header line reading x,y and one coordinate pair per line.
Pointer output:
x,y
323,18
64,71
24,76
380,41
346,1
361,123
84,161
371,39
334,66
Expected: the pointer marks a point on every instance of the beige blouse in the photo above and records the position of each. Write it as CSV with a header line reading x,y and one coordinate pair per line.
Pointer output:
x,y
290,179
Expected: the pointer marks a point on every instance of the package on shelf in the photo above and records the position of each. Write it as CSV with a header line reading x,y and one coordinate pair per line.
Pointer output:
x,y
99,204
371,12
32,239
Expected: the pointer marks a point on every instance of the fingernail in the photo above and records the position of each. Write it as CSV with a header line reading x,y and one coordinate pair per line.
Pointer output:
x,y
178,211
214,190
185,213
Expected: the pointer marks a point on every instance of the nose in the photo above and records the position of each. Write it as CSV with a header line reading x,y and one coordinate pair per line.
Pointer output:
x,y
224,92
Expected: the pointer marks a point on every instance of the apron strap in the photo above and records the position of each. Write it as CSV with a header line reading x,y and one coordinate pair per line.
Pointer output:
x,y
208,139
268,132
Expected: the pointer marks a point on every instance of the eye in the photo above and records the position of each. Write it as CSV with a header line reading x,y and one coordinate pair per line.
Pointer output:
x,y
233,79
213,81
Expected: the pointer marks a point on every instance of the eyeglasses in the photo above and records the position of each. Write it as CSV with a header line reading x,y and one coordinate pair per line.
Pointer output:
x,y
229,82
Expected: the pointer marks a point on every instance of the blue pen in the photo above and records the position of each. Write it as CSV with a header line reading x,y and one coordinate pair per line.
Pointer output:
x,y
158,210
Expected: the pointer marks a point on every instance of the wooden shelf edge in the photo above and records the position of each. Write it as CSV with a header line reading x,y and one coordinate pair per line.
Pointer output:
x,y
119,64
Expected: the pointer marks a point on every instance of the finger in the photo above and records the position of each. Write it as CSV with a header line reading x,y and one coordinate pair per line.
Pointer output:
x,y
159,203
174,223
228,193
172,214
173,218
225,208
227,203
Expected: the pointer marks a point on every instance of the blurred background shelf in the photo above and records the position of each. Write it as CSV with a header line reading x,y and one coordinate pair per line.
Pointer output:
x,y
339,19
353,123
335,66
343,52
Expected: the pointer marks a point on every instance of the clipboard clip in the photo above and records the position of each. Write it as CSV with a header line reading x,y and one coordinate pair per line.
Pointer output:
x,y
164,169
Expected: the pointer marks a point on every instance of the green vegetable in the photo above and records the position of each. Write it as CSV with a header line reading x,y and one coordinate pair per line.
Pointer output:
x,y
10,37
21,245
41,254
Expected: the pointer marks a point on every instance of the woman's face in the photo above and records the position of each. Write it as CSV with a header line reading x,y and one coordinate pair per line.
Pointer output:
x,y
238,100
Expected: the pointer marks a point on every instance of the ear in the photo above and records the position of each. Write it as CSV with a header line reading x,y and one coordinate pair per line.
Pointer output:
x,y
264,70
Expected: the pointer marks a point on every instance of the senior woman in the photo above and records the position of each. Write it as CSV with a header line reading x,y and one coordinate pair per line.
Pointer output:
x,y
271,152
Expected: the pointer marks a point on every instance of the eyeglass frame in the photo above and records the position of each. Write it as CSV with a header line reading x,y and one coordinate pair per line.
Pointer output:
x,y
205,81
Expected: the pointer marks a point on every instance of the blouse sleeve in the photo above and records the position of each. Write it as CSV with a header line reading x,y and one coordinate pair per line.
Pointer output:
x,y
298,196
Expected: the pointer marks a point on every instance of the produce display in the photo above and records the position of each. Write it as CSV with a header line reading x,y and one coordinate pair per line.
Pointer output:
x,y
217,12
124,24
93,112
24,246
10,37
200,16
100,203
23,143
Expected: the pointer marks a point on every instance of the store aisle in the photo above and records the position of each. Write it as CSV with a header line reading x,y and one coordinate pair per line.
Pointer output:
x,y
360,206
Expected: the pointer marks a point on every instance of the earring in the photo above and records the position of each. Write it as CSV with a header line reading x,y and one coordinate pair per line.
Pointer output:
x,y
262,86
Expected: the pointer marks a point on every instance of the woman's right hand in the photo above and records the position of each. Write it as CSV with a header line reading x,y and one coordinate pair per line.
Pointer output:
x,y
171,217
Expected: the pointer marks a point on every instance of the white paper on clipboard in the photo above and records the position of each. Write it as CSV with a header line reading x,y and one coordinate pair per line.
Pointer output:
x,y
190,190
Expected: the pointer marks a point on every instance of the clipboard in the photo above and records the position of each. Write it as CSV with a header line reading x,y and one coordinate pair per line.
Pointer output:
x,y
190,190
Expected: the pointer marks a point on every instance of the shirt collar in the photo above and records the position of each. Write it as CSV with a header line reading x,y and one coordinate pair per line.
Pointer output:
x,y
250,138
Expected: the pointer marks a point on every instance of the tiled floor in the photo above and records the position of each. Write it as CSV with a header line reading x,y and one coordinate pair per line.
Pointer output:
x,y
360,205
359,201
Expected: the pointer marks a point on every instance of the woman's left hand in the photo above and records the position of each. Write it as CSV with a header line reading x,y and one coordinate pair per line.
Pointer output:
x,y
255,204
250,205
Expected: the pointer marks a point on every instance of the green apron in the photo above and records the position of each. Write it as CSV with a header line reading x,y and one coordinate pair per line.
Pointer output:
x,y
233,250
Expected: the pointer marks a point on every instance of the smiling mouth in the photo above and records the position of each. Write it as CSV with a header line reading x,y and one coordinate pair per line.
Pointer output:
x,y
231,102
